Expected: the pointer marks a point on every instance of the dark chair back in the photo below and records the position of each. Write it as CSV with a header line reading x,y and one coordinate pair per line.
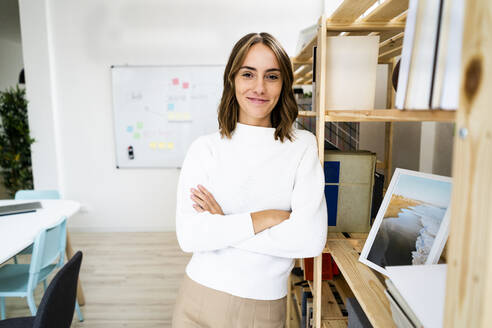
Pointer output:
x,y
58,303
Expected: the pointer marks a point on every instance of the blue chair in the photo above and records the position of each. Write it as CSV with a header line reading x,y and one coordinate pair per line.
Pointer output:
x,y
37,194
20,280
31,195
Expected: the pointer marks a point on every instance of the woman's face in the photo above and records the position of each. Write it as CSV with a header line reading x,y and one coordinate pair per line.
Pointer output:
x,y
258,86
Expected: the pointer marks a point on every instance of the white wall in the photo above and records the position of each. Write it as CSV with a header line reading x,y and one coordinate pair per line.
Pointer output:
x,y
83,39
10,54
10,44
40,88
10,63
10,67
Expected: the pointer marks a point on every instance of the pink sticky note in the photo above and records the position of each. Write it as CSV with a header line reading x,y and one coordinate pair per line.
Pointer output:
x,y
175,81
186,85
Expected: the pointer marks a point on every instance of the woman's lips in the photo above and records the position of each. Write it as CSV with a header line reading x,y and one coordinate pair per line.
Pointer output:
x,y
257,100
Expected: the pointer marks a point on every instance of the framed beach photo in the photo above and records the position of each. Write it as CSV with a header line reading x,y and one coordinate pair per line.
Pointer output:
x,y
412,224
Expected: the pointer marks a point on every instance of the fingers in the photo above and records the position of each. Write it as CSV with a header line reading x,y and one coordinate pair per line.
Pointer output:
x,y
198,193
202,200
198,208
203,194
210,199
202,203
206,192
205,200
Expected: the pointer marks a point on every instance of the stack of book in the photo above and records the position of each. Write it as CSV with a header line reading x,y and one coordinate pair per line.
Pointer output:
x,y
431,56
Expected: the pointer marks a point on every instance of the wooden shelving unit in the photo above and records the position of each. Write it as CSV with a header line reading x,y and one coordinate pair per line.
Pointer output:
x,y
469,278
390,115
387,20
384,115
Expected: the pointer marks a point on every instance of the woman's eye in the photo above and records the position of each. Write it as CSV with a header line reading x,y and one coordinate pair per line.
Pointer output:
x,y
247,75
272,77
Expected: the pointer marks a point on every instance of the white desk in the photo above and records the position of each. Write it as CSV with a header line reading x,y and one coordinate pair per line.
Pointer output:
x,y
19,231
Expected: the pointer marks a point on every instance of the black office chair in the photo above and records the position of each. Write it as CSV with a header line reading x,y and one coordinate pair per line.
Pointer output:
x,y
58,303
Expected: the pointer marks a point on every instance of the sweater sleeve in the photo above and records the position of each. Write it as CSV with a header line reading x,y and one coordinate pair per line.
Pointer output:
x,y
304,233
204,231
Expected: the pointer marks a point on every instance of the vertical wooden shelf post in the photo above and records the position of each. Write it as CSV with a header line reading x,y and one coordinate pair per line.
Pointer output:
x,y
320,135
469,278
389,127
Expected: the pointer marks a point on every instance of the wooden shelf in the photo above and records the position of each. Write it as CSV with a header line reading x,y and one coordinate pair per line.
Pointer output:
x,y
385,115
306,113
302,73
356,240
390,115
297,64
334,323
334,26
306,52
330,310
363,282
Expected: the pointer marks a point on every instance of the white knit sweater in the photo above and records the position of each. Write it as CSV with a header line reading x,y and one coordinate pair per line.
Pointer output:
x,y
249,173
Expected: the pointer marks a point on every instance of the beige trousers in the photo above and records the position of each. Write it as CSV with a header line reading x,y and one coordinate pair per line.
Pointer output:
x,y
200,306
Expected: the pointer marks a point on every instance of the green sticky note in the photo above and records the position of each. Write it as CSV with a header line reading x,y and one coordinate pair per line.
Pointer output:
x,y
136,135
139,125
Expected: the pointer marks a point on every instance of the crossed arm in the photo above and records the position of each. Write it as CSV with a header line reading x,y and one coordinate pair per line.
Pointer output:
x,y
202,226
204,201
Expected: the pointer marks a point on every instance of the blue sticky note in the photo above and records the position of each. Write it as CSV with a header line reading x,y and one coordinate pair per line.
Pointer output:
x,y
331,196
170,106
332,172
129,129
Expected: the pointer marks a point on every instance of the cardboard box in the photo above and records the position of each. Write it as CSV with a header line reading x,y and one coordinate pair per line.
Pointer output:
x,y
349,181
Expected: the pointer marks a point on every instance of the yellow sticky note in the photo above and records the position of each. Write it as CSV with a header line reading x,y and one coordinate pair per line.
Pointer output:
x,y
162,145
153,145
177,116
170,145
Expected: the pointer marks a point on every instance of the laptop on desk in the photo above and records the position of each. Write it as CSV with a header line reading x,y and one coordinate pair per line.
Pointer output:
x,y
19,208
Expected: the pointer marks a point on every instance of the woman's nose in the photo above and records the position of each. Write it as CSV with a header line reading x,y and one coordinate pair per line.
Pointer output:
x,y
259,87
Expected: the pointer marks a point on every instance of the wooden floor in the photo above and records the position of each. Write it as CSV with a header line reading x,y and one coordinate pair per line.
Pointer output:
x,y
129,279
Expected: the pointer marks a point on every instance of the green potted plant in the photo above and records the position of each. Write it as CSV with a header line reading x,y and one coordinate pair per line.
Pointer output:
x,y
15,141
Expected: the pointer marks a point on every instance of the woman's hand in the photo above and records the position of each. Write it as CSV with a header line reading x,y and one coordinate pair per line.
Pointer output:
x,y
268,218
205,201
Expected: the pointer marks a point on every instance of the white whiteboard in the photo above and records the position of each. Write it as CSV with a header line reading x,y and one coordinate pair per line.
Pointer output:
x,y
159,111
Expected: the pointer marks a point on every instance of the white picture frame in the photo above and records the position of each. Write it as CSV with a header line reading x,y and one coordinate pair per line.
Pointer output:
x,y
415,208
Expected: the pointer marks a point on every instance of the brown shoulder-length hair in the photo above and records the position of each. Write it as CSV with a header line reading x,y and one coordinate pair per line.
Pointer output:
x,y
285,111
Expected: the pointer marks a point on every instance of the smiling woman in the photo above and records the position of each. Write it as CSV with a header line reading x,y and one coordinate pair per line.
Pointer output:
x,y
250,197
258,87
